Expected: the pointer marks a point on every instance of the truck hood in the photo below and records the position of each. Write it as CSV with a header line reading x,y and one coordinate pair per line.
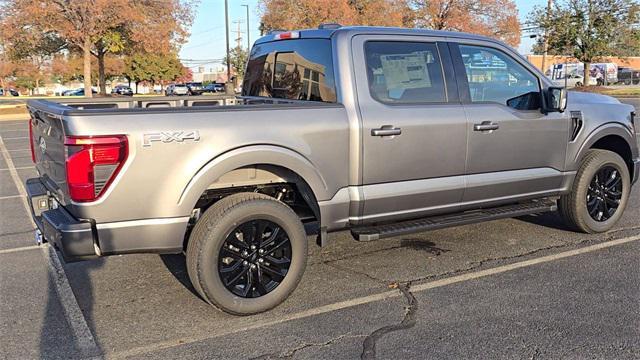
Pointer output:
x,y
578,97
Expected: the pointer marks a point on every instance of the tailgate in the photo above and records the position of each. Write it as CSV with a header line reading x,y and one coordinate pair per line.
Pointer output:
x,y
47,138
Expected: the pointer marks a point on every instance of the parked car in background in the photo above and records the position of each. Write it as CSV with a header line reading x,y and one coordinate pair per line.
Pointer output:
x,y
122,90
628,76
214,88
77,92
12,92
195,88
177,89
574,80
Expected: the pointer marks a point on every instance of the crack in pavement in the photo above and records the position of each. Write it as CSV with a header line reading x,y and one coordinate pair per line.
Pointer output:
x,y
18,232
408,321
338,267
290,353
346,257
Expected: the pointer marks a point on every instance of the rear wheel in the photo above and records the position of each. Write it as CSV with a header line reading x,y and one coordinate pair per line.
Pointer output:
x,y
599,195
247,253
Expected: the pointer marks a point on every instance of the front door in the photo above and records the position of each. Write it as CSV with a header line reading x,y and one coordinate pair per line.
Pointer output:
x,y
515,151
413,127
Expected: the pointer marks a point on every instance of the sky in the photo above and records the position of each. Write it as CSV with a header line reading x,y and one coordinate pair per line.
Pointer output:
x,y
206,45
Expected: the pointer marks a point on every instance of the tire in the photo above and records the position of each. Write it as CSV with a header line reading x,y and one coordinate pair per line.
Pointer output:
x,y
215,246
578,84
575,207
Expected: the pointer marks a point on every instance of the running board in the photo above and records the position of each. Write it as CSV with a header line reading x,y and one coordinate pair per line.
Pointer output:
x,y
370,233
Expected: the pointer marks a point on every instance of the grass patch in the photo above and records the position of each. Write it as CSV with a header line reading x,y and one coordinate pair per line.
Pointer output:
x,y
623,92
630,91
13,109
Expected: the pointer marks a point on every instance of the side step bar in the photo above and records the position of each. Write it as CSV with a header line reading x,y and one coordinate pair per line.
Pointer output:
x,y
370,233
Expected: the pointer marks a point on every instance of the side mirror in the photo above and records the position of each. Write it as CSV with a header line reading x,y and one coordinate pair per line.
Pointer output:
x,y
556,99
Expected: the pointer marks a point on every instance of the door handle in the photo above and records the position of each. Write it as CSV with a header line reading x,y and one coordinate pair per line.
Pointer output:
x,y
386,130
486,126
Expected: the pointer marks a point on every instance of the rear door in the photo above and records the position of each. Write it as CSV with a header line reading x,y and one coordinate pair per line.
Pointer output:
x,y
515,150
413,127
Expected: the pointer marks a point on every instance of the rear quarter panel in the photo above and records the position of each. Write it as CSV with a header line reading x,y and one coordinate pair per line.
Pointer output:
x,y
159,181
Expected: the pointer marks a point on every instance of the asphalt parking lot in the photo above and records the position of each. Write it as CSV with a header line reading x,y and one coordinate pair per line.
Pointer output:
x,y
516,288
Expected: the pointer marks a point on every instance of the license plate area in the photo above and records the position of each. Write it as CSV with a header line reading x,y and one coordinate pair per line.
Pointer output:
x,y
42,203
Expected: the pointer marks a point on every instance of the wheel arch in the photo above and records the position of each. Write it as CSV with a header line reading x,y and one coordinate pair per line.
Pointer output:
x,y
613,137
271,164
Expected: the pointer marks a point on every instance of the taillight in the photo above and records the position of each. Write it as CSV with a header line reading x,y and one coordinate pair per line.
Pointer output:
x,y
92,164
33,153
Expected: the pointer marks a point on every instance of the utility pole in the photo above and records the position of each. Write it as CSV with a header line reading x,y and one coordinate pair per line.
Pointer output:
x,y
226,32
545,40
248,39
238,32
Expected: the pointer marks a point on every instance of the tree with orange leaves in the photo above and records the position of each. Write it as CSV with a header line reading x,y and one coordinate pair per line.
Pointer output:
x,y
7,70
97,27
305,14
494,18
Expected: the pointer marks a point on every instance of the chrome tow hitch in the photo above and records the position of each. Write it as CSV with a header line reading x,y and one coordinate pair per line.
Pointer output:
x,y
38,237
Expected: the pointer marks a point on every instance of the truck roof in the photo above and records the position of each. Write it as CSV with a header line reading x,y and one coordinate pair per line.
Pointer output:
x,y
326,33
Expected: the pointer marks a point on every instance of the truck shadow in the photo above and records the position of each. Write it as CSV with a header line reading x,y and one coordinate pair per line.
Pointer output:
x,y
549,219
57,337
177,266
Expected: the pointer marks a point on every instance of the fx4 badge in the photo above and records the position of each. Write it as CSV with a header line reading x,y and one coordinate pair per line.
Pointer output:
x,y
170,136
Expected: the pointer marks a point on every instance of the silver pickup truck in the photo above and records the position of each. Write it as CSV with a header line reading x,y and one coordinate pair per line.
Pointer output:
x,y
380,131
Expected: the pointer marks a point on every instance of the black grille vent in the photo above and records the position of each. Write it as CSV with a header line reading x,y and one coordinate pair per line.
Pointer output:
x,y
576,124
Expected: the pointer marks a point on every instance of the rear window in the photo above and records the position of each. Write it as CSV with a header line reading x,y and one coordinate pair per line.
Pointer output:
x,y
291,69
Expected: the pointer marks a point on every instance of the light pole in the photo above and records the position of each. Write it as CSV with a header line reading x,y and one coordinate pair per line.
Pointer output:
x,y
226,32
545,40
248,38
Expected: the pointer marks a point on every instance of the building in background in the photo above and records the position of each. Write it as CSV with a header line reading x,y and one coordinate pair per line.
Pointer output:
x,y
628,62
217,75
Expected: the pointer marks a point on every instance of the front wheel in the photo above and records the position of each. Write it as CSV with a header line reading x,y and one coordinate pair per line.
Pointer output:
x,y
599,195
247,253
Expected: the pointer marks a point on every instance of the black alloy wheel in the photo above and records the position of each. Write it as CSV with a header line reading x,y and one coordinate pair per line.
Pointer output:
x,y
604,194
255,258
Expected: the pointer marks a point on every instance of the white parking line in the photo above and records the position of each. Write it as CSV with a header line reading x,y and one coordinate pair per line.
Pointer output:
x,y
10,197
19,168
24,248
15,138
16,150
84,338
372,298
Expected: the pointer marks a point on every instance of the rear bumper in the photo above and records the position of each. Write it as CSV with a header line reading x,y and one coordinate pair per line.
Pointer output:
x,y
82,239
76,239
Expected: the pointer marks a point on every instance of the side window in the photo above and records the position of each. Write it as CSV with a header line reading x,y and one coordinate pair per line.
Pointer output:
x,y
494,76
404,72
